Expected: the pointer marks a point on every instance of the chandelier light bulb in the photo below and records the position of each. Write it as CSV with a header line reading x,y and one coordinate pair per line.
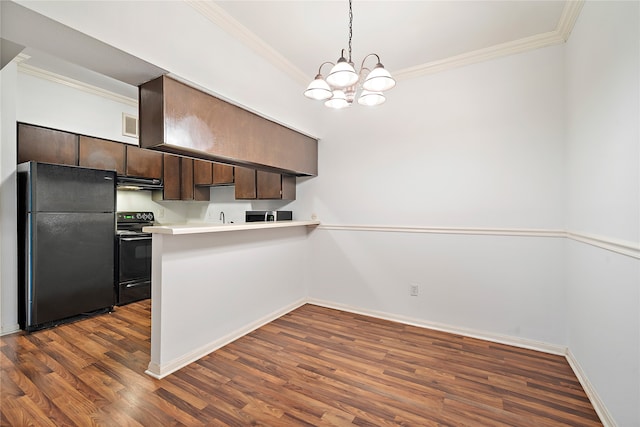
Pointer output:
x,y
342,74
371,99
338,101
378,80
318,89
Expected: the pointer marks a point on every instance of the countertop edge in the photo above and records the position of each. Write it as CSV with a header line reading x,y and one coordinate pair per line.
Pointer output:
x,y
221,228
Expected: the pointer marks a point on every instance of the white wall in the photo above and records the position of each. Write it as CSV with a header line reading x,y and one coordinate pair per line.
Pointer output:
x,y
202,53
8,205
209,287
603,175
476,147
58,106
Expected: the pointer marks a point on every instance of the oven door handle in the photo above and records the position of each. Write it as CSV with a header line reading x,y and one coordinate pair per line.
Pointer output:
x,y
135,285
133,239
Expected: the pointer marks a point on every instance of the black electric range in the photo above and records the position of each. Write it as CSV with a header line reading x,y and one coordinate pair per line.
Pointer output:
x,y
133,257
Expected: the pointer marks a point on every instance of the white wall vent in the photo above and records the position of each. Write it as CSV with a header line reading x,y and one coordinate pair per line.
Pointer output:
x,y
129,125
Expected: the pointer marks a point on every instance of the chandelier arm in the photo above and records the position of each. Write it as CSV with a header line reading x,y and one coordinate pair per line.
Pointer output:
x,y
323,64
365,58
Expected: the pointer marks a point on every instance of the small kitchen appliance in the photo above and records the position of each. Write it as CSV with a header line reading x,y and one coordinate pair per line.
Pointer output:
x,y
257,216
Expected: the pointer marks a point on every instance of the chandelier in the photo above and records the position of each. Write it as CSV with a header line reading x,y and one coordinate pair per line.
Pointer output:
x,y
340,88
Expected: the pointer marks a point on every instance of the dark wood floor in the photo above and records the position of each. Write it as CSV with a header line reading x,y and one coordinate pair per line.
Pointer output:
x,y
313,366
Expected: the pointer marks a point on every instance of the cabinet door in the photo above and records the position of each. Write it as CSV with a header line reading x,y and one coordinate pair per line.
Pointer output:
x,y
223,174
171,177
143,163
202,172
288,187
186,179
101,154
269,185
245,183
46,145
275,186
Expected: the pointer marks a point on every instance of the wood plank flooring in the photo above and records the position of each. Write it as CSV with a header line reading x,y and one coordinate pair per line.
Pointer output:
x,y
314,366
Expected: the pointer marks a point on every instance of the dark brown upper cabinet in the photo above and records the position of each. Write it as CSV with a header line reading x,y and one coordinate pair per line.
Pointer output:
x,y
212,174
46,145
143,163
171,177
202,172
246,187
179,180
223,174
180,119
101,154
260,185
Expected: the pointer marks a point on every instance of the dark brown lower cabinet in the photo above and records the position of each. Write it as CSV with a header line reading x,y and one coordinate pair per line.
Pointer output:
x,y
260,185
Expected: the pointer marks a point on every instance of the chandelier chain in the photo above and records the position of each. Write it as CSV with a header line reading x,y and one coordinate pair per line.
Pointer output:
x,y
350,29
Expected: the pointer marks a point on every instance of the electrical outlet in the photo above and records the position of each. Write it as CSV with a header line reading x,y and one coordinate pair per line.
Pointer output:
x,y
414,289
161,213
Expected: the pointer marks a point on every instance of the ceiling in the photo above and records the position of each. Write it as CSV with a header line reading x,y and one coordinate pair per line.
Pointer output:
x,y
411,37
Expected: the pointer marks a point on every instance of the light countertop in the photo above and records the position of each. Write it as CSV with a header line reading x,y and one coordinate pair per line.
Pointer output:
x,y
219,228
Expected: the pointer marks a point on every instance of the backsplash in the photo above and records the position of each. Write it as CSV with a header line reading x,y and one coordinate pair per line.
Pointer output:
x,y
181,212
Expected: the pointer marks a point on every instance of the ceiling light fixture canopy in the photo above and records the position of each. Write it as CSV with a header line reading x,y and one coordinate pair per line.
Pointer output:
x,y
340,87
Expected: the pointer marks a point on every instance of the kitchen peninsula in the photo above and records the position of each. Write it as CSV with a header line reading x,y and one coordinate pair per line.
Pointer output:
x,y
203,273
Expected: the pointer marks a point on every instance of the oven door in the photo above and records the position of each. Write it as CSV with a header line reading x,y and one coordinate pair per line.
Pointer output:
x,y
134,268
134,257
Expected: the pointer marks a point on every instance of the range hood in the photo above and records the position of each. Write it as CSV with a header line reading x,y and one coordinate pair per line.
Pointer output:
x,y
131,183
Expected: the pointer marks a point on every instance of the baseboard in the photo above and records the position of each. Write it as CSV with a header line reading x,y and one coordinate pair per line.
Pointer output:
x,y
598,404
160,371
467,332
10,330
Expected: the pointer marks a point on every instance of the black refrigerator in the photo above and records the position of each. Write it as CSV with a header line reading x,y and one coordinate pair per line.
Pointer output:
x,y
66,228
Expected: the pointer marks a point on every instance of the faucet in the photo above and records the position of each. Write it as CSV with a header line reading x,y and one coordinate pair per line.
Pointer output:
x,y
222,217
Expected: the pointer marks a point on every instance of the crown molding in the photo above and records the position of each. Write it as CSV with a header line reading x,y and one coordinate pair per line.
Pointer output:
x,y
572,9
222,19
76,84
492,52
560,35
21,57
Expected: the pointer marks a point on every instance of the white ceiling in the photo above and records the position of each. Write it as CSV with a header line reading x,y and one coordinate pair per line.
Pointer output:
x,y
411,37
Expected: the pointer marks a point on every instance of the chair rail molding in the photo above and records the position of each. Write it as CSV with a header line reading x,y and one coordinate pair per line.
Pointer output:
x,y
622,247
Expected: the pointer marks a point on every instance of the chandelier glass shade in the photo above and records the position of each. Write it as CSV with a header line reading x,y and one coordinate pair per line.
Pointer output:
x,y
343,83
